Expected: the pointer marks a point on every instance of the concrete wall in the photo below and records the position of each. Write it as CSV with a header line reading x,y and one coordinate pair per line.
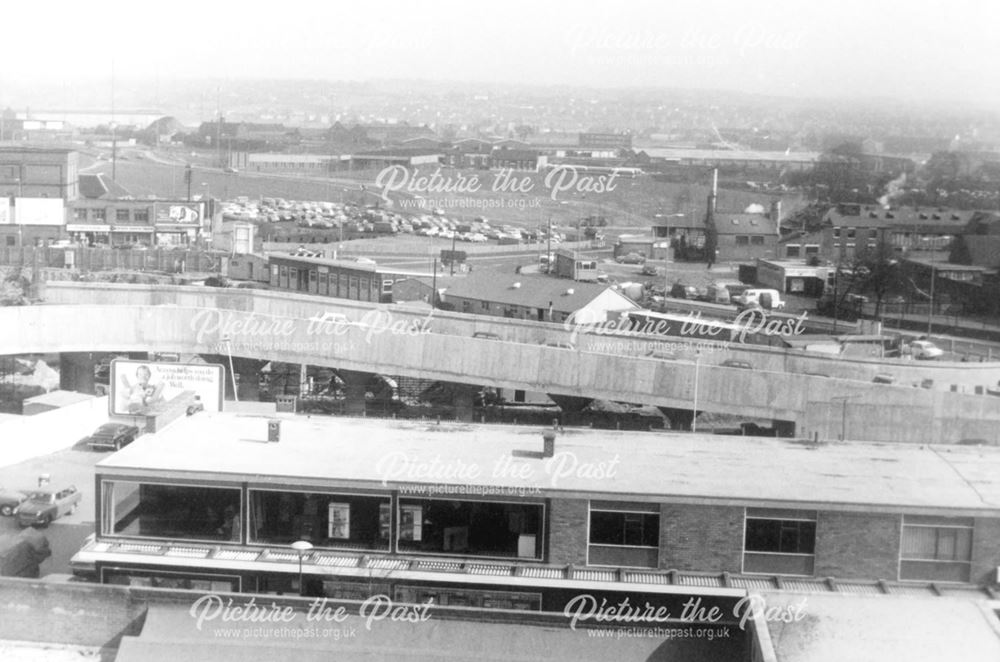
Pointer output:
x,y
281,326
701,538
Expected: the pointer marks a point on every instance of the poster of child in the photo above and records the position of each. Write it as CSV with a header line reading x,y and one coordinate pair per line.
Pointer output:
x,y
142,394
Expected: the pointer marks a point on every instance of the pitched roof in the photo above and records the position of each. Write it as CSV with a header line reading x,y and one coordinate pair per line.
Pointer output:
x,y
534,291
745,224
930,218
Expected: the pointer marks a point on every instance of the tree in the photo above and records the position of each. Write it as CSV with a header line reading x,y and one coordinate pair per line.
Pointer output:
x,y
878,269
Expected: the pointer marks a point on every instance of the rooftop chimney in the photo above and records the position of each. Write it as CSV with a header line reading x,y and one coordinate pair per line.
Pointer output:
x,y
549,443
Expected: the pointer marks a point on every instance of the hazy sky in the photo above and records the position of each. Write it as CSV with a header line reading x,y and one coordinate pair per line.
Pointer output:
x,y
908,49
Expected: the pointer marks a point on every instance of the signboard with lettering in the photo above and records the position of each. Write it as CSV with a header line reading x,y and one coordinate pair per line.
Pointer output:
x,y
188,214
146,387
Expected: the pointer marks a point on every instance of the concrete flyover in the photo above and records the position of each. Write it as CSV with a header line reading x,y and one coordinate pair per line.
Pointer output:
x,y
397,340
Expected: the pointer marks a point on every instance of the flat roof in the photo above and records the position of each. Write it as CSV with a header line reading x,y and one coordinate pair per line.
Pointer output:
x,y
629,465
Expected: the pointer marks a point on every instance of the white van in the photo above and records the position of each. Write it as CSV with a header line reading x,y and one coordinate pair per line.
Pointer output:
x,y
753,298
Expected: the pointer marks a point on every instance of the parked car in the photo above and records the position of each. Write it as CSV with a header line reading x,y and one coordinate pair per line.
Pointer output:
x,y
925,350
631,258
682,291
883,378
112,436
45,505
760,298
649,270
736,363
10,500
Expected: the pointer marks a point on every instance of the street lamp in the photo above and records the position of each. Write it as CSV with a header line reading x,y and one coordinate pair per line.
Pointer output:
x,y
930,310
114,150
694,414
302,547
843,415
229,351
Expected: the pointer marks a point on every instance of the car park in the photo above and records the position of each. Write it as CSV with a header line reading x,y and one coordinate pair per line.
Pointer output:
x,y
10,500
43,506
112,436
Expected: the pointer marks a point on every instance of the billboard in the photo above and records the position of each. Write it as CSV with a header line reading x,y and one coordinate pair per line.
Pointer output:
x,y
141,388
178,213
39,211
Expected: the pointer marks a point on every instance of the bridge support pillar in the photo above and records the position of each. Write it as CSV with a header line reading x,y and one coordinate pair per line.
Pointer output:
x,y
76,371
680,419
464,399
571,406
783,428
355,387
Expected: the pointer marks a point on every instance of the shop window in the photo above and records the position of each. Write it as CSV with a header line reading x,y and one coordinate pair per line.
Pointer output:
x,y
184,512
936,549
326,520
779,541
471,528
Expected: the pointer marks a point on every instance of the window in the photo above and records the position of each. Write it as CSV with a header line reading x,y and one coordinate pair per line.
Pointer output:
x,y
11,240
121,214
742,240
80,214
326,520
792,250
624,529
141,216
779,541
836,233
485,305
850,233
757,240
873,234
185,512
100,214
812,249
936,549
312,275
624,534
471,528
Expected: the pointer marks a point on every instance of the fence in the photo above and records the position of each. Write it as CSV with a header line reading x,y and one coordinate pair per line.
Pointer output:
x,y
106,259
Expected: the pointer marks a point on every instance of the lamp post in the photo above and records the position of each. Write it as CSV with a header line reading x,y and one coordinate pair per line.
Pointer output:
x,y
694,414
301,547
114,150
930,310
232,375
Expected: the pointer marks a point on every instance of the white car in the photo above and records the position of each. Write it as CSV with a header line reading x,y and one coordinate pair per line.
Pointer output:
x,y
925,349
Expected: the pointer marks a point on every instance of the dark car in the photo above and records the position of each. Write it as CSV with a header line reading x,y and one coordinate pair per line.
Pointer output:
x,y
631,258
9,500
112,436
736,363
682,291
45,505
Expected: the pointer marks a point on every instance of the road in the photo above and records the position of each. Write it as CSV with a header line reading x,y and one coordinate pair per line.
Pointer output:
x,y
68,467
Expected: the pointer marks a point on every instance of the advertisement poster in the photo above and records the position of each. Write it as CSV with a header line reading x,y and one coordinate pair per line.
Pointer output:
x,y
146,388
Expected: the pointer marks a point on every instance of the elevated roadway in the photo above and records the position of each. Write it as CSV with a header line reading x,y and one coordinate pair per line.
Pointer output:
x,y
87,317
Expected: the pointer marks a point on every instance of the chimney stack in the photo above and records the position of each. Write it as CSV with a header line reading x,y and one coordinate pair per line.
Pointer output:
x,y
548,443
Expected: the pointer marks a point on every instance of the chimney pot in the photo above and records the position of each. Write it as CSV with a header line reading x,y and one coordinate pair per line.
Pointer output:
x,y
549,443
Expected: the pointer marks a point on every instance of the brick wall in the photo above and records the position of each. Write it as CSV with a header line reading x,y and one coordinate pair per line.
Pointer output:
x,y
985,551
701,538
857,546
568,531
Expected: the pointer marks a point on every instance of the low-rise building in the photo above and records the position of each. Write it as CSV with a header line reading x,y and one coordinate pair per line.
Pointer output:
x,y
533,297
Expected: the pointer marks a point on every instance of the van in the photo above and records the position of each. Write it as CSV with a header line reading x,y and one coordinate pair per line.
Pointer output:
x,y
764,298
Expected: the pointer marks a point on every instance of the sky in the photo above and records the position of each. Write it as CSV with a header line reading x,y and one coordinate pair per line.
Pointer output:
x,y
910,50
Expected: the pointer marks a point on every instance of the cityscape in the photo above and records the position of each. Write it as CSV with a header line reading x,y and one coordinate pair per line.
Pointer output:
x,y
553,333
